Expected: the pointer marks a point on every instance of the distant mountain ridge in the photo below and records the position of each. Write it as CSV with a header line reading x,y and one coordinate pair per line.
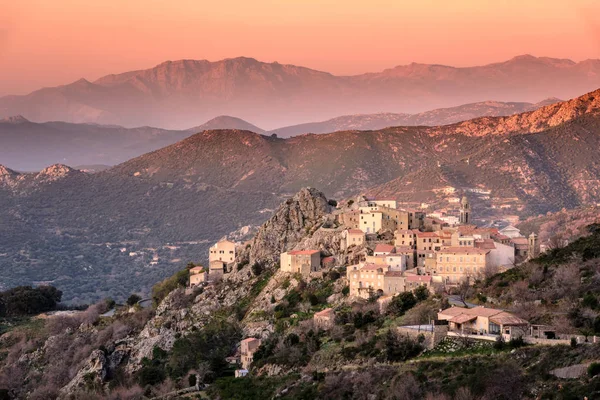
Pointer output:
x,y
177,94
30,146
443,116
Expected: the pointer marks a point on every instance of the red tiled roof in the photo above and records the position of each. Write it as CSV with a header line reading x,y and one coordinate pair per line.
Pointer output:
x,y
325,313
356,231
402,249
427,234
384,248
520,240
371,267
303,252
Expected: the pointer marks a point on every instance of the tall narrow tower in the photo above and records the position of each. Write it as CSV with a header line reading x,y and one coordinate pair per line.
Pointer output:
x,y
533,249
465,211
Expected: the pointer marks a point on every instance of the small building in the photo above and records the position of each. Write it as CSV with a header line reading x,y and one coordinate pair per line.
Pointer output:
x,y
240,373
383,249
414,281
223,250
521,245
216,270
405,237
511,232
304,262
324,319
484,321
198,276
354,237
247,349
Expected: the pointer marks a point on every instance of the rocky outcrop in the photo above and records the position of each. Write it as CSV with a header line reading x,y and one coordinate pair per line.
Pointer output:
x,y
297,217
93,373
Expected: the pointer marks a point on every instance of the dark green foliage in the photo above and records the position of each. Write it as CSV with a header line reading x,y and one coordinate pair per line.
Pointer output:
x,y
257,268
332,203
593,369
401,303
421,293
151,375
25,300
346,290
573,342
400,348
162,289
133,299
211,344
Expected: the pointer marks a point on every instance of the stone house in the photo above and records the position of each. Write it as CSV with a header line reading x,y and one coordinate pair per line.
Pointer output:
x,y
354,237
247,349
484,321
455,264
324,319
216,270
198,275
304,262
223,250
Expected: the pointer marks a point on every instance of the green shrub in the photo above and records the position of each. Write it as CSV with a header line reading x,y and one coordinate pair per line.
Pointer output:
x,y
593,369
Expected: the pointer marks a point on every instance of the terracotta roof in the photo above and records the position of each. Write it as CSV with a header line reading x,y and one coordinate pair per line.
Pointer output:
x,y
403,249
520,240
500,236
356,231
384,248
463,250
250,339
481,311
325,313
371,267
419,278
427,234
303,252
505,318
462,318
405,232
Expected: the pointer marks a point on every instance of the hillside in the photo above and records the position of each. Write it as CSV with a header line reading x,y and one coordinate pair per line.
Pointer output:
x,y
179,94
191,336
442,116
172,203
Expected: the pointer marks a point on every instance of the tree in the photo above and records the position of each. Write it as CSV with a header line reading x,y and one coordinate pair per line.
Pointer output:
x,y
422,293
401,303
133,299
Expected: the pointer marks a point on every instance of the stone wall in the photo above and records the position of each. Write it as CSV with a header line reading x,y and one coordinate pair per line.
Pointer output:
x,y
432,334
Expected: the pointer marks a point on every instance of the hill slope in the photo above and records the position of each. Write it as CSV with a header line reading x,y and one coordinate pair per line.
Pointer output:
x,y
64,225
178,94
442,116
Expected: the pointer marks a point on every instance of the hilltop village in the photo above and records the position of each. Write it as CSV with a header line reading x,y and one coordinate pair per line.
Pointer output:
x,y
404,249
396,251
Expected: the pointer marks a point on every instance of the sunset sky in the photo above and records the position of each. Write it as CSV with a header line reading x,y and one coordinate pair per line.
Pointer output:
x,y
46,43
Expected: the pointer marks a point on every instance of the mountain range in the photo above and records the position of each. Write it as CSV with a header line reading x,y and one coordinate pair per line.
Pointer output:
x,y
29,146
120,230
179,94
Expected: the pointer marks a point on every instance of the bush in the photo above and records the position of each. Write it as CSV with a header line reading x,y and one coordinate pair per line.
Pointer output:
x,y
332,203
162,289
401,303
151,375
421,293
257,269
593,369
133,299
573,342
26,300
346,290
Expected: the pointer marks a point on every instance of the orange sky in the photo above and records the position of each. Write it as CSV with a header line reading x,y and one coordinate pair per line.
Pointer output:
x,y
51,42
